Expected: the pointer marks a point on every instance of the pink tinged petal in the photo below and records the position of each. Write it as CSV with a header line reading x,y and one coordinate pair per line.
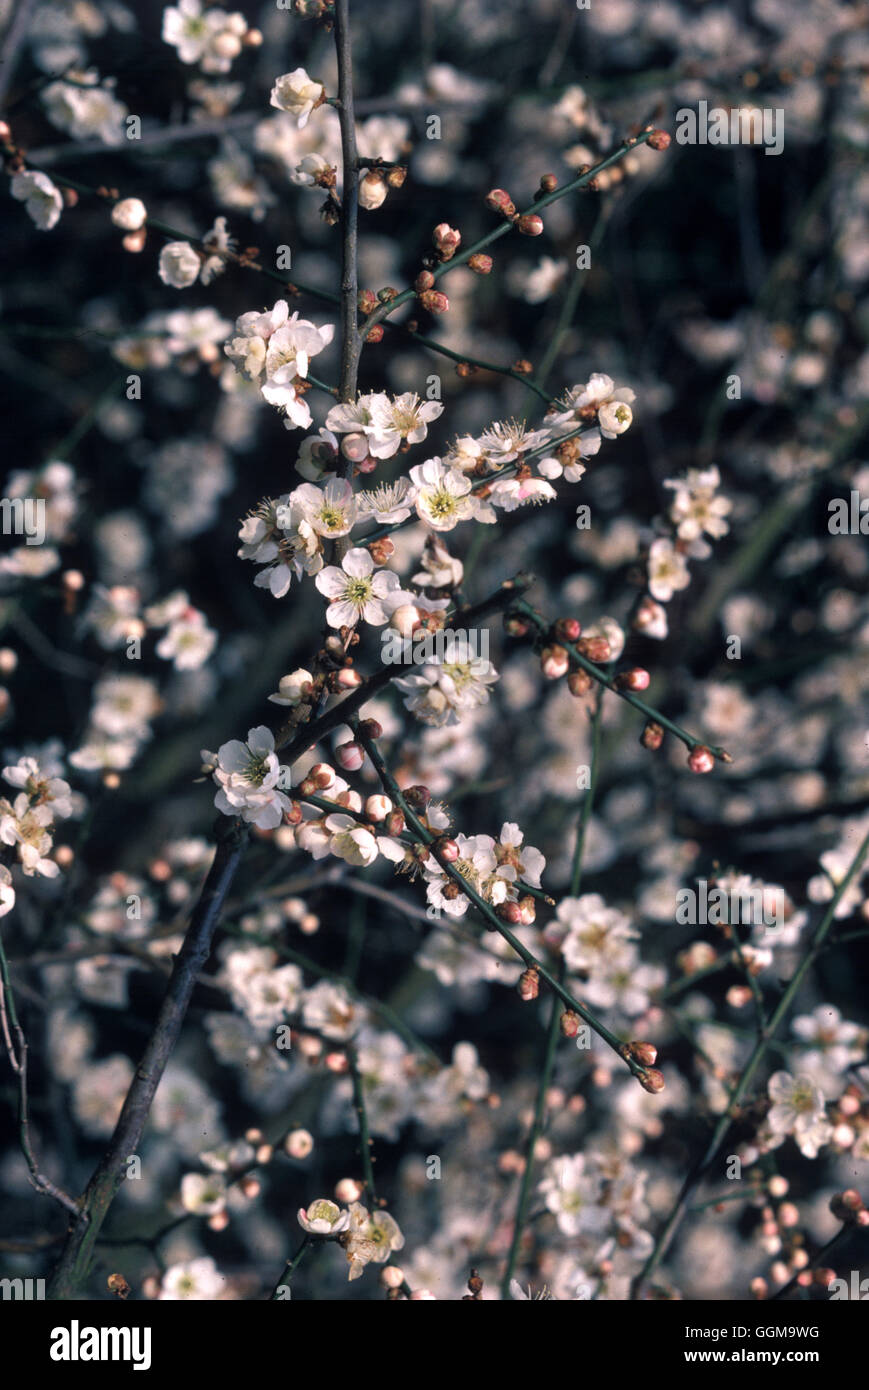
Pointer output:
x,y
358,563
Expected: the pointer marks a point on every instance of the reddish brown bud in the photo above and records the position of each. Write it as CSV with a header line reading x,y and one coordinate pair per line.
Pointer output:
x,y
375,334
418,797
499,200
465,369
635,679
652,1081
523,367
366,301
434,301
529,224
380,550
480,264
652,736
596,649
701,759
369,728
554,662
515,626
510,913
396,177
529,984
644,1052
579,683
659,140
70,197
549,183
394,823
448,850
569,1023
568,630
424,281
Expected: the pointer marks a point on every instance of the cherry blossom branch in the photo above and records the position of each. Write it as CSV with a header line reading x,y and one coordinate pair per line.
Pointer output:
x,y
493,922
364,1130
764,1041
311,733
462,257
609,682
351,341
94,1205
15,1044
555,1017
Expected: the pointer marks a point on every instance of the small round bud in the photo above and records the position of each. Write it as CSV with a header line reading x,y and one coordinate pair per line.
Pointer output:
x,y
529,984
348,679
434,301
417,797
129,214
480,264
549,183
510,913
644,1052
348,1190
424,281
354,447
395,823
554,662
569,1023
568,630
397,176
366,302
370,728
652,736
380,550
405,619
659,140
579,683
375,334
372,191
448,850
701,759
635,679
515,626
500,201
350,755
529,224
392,1277
70,197
299,1143
652,1081
447,240
596,649
8,661
378,807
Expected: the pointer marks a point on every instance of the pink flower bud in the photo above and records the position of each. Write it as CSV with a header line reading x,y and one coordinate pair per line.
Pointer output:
x,y
366,302
700,759
394,823
448,850
510,913
596,649
424,281
569,1023
434,301
529,224
405,619
658,140
554,662
378,807
644,1052
298,1143
480,264
634,679
652,736
579,683
447,240
348,1190
348,678
568,630
354,447
372,191
652,1081
351,756
529,984
500,201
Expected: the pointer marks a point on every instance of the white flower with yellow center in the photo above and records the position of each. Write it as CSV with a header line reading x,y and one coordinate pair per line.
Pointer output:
x,y
441,495
356,591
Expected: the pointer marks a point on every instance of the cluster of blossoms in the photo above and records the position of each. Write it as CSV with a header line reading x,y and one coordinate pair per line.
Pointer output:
x,y
274,349
54,491
598,945
499,871
26,822
85,108
116,618
697,510
210,37
180,265
598,1201
119,724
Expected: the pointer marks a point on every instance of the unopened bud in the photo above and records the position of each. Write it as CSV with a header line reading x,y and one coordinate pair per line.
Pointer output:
x,y
700,759
568,630
394,823
579,683
381,550
529,224
417,797
635,679
596,649
447,240
529,984
448,850
554,662
348,678
396,177
424,281
500,201
299,1143
375,334
549,183
370,728
480,264
652,736
569,1023
434,301
378,807
652,1081
644,1052
659,140
350,755
510,913
366,301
